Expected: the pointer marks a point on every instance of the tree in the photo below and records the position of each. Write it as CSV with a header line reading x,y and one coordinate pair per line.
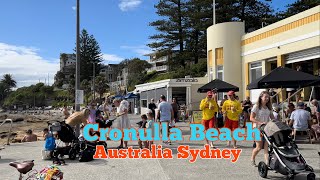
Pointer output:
x,y
90,54
137,71
171,27
8,79
86,87
199,18
4,88
58,79
253,13
297,7
101,86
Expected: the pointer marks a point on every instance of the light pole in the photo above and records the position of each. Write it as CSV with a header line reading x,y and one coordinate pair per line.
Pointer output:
x,y
77,86
93,80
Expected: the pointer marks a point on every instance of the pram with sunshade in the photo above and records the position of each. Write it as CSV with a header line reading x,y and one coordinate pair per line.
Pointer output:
x,y
284,156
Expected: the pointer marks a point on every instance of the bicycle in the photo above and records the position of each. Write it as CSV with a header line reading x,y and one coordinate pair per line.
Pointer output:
x,y
26,167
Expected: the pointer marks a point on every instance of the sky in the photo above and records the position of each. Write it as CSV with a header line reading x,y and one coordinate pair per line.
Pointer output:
x,y
33,33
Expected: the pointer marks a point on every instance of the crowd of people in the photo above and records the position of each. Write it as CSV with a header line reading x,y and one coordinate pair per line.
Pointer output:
x,y
300,118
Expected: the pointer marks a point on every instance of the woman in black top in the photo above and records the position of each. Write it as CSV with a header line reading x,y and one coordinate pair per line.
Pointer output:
x,y
246,104
152,106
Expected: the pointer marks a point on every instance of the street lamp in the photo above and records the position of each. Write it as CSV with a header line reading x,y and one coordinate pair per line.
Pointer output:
x,y
77,86
93,79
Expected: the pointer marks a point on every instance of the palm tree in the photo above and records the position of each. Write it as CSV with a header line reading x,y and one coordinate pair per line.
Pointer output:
x,y
7,79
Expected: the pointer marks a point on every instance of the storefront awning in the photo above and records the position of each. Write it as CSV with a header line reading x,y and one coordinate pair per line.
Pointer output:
x,y
131,96
283,77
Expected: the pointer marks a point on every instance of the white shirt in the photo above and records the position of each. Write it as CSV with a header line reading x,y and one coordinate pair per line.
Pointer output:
x,y
262,115
300,119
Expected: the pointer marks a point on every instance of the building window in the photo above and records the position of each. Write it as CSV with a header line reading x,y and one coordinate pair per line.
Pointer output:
x,y
220,76
144,103
220,72
255,71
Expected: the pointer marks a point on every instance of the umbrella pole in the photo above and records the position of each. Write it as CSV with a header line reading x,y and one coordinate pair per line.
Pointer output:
x,y
311,94
277,95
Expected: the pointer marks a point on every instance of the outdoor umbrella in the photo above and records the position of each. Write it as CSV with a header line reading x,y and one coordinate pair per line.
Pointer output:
x,y
219,86
283,77
131,96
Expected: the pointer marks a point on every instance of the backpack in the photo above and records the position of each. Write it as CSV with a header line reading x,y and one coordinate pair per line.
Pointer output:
x,y
50,143
86,155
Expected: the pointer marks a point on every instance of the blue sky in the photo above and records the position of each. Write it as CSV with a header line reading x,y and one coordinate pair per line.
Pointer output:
x,y
33,33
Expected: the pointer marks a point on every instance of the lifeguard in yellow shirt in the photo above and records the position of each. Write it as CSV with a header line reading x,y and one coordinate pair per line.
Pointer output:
x,y
209,108
231,109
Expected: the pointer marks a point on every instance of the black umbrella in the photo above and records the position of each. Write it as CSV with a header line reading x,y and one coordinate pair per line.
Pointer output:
x,y
283,77
219,86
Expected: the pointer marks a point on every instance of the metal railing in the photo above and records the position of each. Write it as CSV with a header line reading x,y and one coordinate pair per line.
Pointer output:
x,y
4,121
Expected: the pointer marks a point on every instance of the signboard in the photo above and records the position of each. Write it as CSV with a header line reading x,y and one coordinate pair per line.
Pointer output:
x,y
79,97
196,117
187,80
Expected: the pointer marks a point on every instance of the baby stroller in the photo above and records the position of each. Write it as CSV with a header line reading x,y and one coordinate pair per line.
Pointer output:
x,y
284,156
66,134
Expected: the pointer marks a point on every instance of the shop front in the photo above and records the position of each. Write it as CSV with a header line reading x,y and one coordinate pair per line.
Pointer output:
x,y
184,90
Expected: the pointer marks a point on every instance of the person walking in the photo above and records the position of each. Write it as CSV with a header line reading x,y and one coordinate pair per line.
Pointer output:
x,y
209,108
261,113
231,112
165,112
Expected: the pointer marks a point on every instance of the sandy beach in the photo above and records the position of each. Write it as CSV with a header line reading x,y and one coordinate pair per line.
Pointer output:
x,y
24,121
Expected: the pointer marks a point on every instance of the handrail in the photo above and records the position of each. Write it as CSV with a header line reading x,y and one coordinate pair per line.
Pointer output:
x,y
4,121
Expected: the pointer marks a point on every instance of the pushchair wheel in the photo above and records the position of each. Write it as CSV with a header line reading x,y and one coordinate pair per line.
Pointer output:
x,y
72,154
263,169
311,176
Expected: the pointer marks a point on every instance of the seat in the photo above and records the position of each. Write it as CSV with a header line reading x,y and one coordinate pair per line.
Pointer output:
x,y
23,167
288,151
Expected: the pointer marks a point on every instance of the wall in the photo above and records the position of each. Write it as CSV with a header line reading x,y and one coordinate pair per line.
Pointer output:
x,y
296,33
227,36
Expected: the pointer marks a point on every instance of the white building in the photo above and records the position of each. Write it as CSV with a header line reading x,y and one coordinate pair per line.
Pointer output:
x,y
183,89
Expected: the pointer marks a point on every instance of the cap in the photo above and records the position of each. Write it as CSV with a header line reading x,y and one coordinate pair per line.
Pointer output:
x,y
209,93
300,104
230,93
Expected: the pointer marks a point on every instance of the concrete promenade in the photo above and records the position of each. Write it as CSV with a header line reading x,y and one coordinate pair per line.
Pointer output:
x,y
154,168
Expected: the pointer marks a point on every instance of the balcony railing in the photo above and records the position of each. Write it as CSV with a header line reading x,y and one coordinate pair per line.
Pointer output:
x,y
161,59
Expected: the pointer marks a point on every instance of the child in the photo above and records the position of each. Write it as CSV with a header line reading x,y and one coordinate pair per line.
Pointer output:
x,y
149,125
49,145
142,124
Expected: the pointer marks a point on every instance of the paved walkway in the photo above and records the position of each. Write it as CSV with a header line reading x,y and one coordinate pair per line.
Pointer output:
x,y
153,168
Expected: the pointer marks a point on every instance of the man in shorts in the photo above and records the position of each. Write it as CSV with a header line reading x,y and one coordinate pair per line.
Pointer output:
x,y
231,111
209,108
165,112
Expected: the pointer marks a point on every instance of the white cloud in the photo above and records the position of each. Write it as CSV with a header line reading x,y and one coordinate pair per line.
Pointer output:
x,y
126,5
74,8
25,65
111,58
139,50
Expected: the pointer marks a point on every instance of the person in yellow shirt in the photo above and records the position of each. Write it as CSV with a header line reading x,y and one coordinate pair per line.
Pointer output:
x,y
231,109
209,108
